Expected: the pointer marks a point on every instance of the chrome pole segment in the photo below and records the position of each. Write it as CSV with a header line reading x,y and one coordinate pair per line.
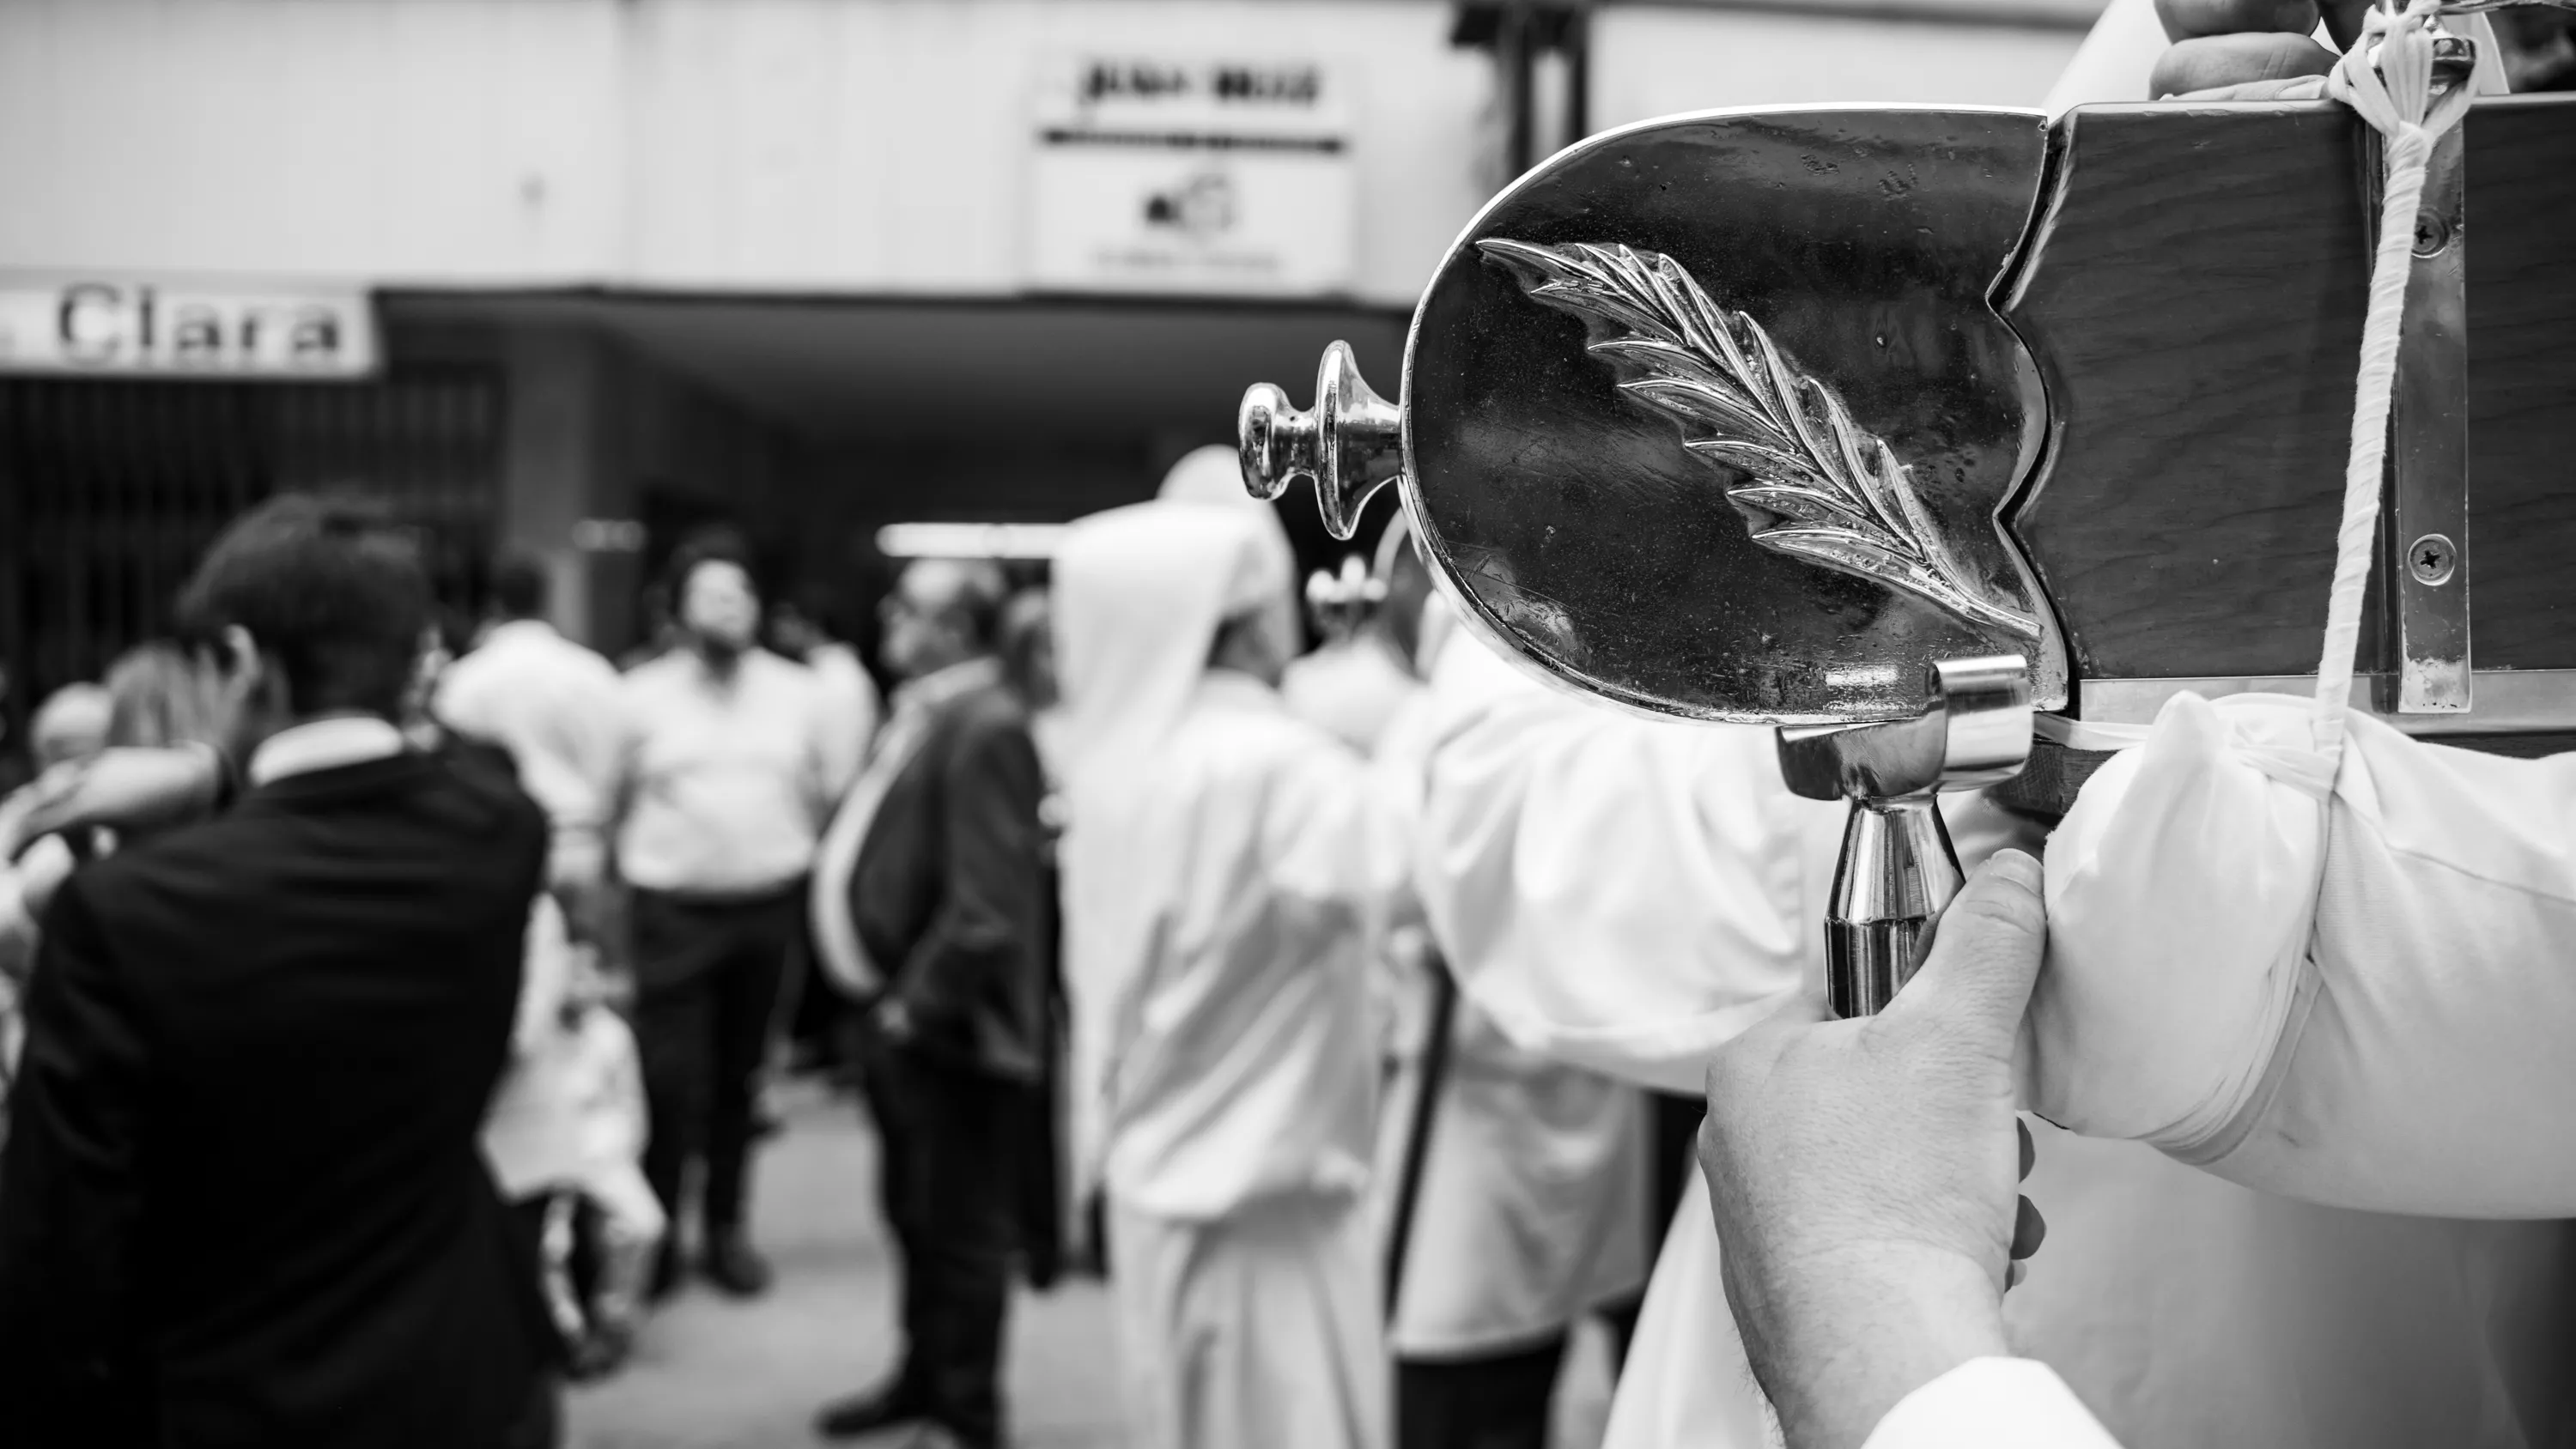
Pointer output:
x,y
1898,870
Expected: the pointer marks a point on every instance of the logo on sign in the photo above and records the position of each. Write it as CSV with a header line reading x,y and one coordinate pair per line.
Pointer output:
x,y
1182,176
1200,206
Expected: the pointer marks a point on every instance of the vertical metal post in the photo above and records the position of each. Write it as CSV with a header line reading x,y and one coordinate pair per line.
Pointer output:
x,y
2425,544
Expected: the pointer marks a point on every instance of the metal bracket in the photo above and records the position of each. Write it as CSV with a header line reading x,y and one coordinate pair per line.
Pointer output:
x,y
2424,524
1898,871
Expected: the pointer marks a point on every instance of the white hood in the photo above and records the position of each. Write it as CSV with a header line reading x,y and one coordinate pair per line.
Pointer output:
x,y
1140,593
1213,476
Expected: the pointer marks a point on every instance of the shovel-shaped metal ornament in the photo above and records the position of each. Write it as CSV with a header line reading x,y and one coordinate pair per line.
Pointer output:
x,y
1631,482
1892,427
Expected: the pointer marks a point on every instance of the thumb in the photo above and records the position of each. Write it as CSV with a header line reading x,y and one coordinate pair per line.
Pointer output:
x,y
1976,984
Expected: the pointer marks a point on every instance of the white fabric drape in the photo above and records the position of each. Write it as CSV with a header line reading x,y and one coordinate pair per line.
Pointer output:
x,y
2343,983
1213,476
1139,593
1222,889
1531,1209
1607,890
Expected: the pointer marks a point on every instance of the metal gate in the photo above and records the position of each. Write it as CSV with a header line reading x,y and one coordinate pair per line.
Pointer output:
x,y
109,491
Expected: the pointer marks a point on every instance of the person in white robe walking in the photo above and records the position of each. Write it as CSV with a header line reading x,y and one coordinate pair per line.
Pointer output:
x,y
1220,901
1529,1209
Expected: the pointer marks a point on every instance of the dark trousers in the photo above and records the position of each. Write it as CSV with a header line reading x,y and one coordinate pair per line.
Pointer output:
x,y
952,1138
1503,1401
707,978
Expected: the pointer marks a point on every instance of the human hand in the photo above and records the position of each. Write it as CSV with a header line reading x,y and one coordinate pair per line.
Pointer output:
x,y
122,789
2250,50
1864,1173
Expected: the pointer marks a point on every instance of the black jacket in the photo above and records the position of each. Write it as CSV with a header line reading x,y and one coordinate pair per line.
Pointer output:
x,y
952,895
243,1200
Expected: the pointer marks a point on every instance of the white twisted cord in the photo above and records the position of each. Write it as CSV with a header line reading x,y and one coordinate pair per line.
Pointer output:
x,y
2387,76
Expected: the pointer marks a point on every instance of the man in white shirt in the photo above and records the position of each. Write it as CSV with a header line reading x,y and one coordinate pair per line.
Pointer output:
x,y
1219,896
723,788
554,706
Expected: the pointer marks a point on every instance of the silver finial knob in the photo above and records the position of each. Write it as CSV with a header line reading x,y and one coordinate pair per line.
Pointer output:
x,y
1350,445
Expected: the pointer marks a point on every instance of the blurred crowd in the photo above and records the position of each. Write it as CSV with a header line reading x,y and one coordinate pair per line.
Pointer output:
x,y
390,1021
1123,969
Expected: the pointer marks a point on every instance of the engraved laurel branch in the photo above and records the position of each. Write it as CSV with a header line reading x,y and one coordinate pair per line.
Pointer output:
x,y
1817,485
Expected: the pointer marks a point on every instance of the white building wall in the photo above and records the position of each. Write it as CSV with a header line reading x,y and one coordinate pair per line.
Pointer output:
x,y
837,146
1654,60
869,147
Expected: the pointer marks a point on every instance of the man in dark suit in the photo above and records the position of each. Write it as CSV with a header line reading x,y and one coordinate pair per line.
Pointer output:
x,y
932,907
243,1200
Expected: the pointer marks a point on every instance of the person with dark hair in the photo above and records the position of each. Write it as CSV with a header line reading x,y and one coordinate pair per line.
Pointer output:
x,y
242,1201
724,781
933,910
554,706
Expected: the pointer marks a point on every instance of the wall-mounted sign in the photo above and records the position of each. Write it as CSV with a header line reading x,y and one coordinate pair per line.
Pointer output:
x,y
1196,176
100,325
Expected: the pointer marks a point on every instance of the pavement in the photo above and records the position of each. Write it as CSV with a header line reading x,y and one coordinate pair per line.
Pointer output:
x,y
711,1373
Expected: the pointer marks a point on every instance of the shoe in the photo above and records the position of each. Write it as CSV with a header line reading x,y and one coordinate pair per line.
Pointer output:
x,y
599,1354
731,1263
887,1408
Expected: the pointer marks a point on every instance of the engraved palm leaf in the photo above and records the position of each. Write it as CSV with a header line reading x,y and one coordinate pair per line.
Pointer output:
x,y
1816,485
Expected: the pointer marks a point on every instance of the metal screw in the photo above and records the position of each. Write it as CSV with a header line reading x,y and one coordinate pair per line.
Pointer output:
x,y
2432,558
2432,233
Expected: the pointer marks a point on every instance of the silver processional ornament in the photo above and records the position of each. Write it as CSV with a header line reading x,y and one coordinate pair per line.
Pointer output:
x,y
1661,453
1732,417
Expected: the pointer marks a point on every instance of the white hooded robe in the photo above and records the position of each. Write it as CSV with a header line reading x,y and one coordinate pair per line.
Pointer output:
x,y
1222,900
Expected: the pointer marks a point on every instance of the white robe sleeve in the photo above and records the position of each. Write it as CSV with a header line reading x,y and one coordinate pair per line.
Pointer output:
x,y
2334,979
1991,1403
1616,892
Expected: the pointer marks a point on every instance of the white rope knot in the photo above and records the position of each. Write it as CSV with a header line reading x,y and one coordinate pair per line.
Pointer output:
x,y
2387,77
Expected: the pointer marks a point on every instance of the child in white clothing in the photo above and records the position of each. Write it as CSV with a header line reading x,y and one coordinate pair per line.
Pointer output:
x,y
566,1141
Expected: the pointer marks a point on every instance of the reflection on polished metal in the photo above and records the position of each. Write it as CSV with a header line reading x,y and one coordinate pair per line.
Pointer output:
x,y
1351,445
1815,484
1897,874
1646,393
1897,870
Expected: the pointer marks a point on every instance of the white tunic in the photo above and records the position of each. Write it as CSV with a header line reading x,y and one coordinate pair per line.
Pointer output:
x,y
726,778
1661,882
1531,1207
1239,1062
1241,1092
1352,687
